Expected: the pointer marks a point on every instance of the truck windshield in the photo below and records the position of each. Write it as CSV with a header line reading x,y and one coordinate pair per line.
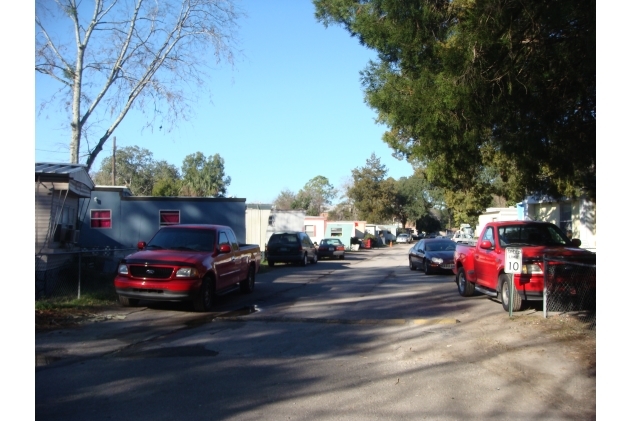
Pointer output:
x,y
183,239
532,234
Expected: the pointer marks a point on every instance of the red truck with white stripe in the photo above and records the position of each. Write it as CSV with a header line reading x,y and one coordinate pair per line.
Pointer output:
x,y
480,267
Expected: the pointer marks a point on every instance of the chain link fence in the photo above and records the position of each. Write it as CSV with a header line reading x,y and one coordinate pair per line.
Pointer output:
x,y
570,286
68,275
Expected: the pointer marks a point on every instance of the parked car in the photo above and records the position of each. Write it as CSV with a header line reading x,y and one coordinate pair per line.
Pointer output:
x,y
331,248
290,247
187,263
404,238
432,255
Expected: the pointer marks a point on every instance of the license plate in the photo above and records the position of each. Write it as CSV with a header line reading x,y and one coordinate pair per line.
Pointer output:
x,y
331,248
447,266
282,249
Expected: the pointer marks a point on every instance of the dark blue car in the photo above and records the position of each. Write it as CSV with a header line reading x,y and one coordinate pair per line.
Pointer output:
x,y
432,255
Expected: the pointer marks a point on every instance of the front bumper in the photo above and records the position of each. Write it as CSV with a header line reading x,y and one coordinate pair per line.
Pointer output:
x,y
171,290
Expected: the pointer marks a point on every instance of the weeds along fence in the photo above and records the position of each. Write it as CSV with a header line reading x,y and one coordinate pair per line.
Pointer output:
x,y
72,273
570,286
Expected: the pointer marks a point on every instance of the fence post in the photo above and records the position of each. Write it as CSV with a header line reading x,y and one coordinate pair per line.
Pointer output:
x,y
545,287
79,280
510,295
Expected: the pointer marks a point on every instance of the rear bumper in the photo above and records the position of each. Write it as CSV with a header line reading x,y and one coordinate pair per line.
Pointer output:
x,y
285,258
322,254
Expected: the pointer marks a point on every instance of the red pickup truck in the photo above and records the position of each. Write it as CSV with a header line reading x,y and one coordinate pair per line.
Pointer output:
x,y
187,263
480,267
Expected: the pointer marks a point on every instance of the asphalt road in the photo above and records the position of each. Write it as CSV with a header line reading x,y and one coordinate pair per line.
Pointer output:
x,y
363,338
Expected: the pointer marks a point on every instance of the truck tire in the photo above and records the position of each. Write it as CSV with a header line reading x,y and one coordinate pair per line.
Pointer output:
x,y
128,302
426,268
303,262
465,288
247,285
412,267
204,300
504,282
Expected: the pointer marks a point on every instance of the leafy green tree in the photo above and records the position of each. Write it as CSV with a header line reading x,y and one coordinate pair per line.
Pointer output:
x,y
372,193
471,89
167,180
412,199
316,194
204,177
286,200
135,169
428,223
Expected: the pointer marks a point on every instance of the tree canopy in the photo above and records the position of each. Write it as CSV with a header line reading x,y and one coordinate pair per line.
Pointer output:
x,y
372,193
137,170
491,96
204,177
317,193
119,55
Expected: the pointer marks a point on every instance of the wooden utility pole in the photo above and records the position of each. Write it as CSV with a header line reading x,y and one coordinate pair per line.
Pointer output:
x,y
114,161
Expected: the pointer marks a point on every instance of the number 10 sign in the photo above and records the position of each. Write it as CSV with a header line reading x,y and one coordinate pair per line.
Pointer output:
x,y
513,260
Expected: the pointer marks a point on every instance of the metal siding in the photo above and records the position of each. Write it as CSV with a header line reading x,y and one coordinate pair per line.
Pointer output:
x,y
256,225
136,219
43,204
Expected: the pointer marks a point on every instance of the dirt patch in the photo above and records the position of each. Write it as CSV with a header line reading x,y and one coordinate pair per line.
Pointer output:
x,y
68,318
575,330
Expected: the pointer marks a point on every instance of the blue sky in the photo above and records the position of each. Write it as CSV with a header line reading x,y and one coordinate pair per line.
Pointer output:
x,y
291,109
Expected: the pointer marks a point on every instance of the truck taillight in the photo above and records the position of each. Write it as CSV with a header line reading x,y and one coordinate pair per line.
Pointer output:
x,y
530,269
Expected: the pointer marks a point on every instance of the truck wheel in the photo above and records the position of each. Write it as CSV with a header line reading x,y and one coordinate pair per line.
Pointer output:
x,y
270,263
128,302
303,262
204,300
247,285
465,288
504,281
426,268
412,267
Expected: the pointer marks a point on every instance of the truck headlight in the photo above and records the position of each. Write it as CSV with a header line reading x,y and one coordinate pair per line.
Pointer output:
x,y
186,273
123,270
437,260
531,269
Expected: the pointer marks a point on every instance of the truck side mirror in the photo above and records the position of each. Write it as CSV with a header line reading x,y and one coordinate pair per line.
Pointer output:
x,y
224,248
486,244
576,242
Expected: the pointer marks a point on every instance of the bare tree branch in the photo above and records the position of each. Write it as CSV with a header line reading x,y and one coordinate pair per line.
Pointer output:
x,y
130,54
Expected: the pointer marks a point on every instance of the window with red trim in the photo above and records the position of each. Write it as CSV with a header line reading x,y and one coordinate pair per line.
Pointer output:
x,y
100,218
169,217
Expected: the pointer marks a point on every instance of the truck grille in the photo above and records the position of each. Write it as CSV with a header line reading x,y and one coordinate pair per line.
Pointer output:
x,y
151,272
